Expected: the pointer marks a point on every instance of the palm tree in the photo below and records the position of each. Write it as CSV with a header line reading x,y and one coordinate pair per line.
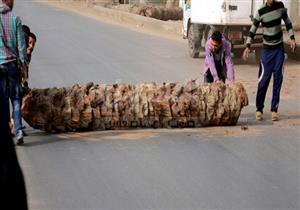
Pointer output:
x,y
99,106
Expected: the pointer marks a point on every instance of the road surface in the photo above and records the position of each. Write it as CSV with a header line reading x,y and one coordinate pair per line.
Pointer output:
x,y
204,168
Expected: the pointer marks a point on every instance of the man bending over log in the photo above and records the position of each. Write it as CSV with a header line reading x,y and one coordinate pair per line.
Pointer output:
x,y
218,64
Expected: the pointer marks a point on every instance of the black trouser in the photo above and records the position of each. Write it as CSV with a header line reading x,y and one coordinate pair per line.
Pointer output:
x,y
12,186
4,100
208,78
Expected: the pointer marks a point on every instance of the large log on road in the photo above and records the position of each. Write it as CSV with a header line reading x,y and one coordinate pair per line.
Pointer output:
x,y
99,106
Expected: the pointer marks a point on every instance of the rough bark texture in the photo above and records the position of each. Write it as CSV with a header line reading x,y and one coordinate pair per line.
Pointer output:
x,y
98,106
160,13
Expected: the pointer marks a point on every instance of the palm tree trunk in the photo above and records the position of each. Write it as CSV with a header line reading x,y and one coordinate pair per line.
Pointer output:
x,y
96,107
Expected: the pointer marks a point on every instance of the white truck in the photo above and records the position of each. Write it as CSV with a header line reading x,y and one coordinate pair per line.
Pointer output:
x,y
232,17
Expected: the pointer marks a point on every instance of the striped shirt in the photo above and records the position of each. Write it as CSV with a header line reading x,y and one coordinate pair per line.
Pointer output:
x,y
270,18
12,42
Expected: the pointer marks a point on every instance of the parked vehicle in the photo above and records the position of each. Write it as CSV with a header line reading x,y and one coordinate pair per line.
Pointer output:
x,y
232,17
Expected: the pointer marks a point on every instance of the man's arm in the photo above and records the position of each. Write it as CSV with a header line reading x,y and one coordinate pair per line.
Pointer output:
x,y
20,42
253,29
211,63
229,62
251,35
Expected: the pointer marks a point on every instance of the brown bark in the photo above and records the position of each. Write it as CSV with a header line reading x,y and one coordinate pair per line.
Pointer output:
x,y
160,13
96,107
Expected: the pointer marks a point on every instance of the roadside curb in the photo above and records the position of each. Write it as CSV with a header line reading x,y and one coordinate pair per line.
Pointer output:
x,y
170,27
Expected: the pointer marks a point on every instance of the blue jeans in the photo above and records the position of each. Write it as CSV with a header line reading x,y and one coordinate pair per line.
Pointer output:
x,y
11,89
272,61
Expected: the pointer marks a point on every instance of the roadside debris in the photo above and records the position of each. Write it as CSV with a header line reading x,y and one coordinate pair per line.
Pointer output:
x,y
244,128
152,11
160,13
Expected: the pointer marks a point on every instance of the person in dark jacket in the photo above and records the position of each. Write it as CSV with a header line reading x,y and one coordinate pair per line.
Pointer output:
x,y
26,31
29,51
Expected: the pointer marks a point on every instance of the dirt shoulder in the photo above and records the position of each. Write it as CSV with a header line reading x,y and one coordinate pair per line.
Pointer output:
x,y
121,18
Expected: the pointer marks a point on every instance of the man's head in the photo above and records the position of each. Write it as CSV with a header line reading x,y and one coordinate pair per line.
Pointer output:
x,y
26,31
216,41
270,2
31,43
9,3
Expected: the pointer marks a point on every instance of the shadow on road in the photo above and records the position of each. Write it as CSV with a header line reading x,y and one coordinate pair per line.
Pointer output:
x,y
39,142
248,119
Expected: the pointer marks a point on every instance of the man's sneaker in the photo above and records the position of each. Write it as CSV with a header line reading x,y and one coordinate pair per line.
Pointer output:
x,y
20,141
24,133
258,116
19,138
275,116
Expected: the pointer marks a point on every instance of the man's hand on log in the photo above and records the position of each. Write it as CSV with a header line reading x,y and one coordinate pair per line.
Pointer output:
x,y
217,81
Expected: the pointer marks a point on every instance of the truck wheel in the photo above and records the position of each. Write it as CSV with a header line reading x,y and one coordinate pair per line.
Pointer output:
x,y
238,53
194,41
209,29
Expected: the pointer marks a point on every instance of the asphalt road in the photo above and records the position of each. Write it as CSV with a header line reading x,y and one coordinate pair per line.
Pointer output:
x,y
204,168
